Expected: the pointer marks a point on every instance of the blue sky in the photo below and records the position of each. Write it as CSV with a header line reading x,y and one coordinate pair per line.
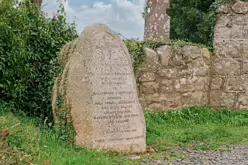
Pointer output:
x,y
123,16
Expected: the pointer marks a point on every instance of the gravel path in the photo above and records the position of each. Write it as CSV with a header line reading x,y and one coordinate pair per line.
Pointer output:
x,y
238,155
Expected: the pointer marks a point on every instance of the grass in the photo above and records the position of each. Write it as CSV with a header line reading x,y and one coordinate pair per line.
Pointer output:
x,y
22,142
197,127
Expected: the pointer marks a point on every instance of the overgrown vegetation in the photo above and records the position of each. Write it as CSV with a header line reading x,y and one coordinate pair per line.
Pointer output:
x,y
64,127
29,45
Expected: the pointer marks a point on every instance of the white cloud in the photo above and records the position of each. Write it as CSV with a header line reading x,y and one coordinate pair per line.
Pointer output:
x,y
122,16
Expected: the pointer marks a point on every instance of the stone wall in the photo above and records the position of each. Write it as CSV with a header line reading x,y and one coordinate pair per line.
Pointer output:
x,y
177,77
174,77
229,87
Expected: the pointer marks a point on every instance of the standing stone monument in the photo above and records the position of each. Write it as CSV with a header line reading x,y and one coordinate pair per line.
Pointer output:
x,y
99,84
157,22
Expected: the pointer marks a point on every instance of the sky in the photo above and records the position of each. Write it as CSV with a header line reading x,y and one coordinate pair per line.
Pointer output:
x,y
122,16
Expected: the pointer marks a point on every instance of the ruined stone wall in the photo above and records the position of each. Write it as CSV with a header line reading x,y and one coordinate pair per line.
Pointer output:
x,y
174,77
229,87
177,77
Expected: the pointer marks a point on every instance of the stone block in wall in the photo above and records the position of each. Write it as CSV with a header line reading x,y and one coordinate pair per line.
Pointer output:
x,y
168,73
195,98
150,55
243,101
166,86
167,101
240,7
220,98
164,52
245,68
149,88
239,19
147,77
202,84
191,84
166,89
231,31
183,85
196,68
235,84
173,101
151,63
217,83
201,71
192,52
178,59
231,49
226,67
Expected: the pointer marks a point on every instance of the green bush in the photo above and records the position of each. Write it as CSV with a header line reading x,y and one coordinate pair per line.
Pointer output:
x,y
190,20
29,46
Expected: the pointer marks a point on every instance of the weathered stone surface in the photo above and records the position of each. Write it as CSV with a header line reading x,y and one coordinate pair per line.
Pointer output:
x,y
192,52
101,88
166,86
237,84
226,66
245,68
231,50
217,83
181,79
157,22
164,53
147,77
223,9
149,87
222,99
168,73
206,55
151,55
240,7
197,98
242,101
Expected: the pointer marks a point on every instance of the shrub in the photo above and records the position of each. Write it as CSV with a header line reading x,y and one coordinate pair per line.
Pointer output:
x,y
29,45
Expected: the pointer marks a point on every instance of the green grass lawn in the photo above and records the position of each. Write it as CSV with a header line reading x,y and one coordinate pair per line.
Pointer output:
x,y
22,142
196,127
